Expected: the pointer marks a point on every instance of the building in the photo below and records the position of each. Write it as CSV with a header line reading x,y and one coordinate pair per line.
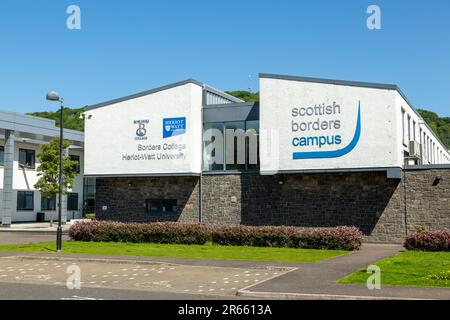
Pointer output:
x,y
21,138
311,153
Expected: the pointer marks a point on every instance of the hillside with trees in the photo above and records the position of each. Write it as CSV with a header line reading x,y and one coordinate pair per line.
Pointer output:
x,y
440,125
72,120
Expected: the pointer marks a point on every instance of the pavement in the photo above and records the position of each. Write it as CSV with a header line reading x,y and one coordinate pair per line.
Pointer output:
x,y
319,280
25,237
37,227
44,276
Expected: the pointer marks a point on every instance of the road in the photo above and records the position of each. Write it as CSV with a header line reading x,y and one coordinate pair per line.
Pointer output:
x,y
26,277
21,291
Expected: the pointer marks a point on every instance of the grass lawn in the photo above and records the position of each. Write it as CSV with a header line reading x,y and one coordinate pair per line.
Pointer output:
x,y
182,251
410,268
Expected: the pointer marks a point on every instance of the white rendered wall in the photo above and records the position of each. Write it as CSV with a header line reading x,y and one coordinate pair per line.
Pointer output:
x,y
25,179
111,134
433,151
377,146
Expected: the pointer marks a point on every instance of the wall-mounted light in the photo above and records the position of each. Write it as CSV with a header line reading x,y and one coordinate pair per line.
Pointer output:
x,y
437,180
84,116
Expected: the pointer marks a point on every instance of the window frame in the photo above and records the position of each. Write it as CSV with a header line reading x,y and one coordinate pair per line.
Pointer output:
x,y
2,157
161,205
403,127
74,157
27,152
25,193
248,167
69,195
49,201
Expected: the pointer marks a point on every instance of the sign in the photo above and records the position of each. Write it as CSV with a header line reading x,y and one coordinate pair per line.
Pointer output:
x,y
174,127
307,125
155,134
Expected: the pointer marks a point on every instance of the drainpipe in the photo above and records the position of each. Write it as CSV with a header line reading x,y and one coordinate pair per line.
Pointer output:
x,y
200,213
200,180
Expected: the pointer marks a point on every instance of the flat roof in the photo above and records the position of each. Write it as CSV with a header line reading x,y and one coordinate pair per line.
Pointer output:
x,y
35,127
205,87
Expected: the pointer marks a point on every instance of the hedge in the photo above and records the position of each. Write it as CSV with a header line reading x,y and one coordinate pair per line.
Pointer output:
x,y
338,238
432,240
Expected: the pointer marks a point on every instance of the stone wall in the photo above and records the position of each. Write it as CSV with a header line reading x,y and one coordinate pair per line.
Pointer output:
x,y
367,200
125,198
428,198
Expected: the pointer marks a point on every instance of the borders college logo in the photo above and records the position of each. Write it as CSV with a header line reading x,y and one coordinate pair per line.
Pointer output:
x,y
141,131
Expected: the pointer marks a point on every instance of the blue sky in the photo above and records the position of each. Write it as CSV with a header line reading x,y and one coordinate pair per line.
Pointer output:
x,y
129,46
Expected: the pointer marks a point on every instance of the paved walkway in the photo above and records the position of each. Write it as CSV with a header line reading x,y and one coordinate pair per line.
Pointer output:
x,y
37,227
319,281
28,237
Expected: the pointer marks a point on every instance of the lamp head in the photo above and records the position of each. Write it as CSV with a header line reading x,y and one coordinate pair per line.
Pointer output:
x,y
53,96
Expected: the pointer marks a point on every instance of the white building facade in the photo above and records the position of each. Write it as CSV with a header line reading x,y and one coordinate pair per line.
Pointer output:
x,y
21,139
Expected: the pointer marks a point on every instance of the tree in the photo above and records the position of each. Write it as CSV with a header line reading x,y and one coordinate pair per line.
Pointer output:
x,y
245,95
440,125
72,118
48,170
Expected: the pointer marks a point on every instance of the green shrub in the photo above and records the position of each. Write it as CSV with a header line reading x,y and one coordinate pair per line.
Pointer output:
x,y
90,216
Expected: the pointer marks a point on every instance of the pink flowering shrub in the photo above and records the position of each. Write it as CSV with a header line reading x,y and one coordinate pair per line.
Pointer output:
x,y
338,238
433,240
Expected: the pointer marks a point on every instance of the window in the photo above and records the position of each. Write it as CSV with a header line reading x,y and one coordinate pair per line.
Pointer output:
x,y
235,145
409,128
2,155
48,204
209,132
403,127
77,160
25,200
252,144
72,201
414,131
89,195
161,206
238,147
27,158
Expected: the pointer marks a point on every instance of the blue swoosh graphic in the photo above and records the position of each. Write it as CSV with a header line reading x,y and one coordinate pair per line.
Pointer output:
x,y
336,153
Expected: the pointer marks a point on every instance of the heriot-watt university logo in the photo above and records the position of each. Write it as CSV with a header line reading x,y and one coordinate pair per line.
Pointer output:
x,y
141,131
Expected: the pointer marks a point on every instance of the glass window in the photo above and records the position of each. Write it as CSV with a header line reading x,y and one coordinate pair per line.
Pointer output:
x,y
27,158
161,206
414,131
409,128
235,145
72,201
25,200
213,147
239,147
403,126
77,159
48,204
89,195
2,155
252,144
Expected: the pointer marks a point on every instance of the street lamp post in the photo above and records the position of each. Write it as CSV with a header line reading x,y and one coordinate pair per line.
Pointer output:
x,y
54,96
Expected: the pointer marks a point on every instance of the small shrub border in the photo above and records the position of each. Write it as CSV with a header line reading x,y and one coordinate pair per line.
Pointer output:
x,y
432,240
337,238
